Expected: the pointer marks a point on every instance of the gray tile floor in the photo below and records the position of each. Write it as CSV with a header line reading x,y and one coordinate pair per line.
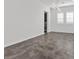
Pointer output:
x,y
53,45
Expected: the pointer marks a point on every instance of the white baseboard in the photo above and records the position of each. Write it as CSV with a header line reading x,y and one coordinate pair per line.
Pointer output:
x,y
9,44
63,31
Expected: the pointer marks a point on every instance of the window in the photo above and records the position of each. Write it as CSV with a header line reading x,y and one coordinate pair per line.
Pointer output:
x,y
60,18
69,17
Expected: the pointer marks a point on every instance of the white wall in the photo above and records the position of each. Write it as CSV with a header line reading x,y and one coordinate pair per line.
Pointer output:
x,y
61,27
23,20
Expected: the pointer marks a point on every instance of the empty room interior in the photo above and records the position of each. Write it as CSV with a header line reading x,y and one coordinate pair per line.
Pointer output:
x,y
39,29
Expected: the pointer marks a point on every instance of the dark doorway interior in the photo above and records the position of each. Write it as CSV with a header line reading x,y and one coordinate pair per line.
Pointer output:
x,y
45,22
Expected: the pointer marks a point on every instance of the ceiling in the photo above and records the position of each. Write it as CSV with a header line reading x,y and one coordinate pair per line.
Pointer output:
x,y
50,2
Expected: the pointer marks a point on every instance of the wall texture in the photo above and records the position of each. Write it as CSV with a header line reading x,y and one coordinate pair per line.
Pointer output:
x,y
23,20
61,27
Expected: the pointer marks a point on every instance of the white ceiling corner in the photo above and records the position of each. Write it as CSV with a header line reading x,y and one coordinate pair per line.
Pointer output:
x,y
50,2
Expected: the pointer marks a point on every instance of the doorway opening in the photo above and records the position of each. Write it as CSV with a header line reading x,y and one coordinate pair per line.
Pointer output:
x,y
45,22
